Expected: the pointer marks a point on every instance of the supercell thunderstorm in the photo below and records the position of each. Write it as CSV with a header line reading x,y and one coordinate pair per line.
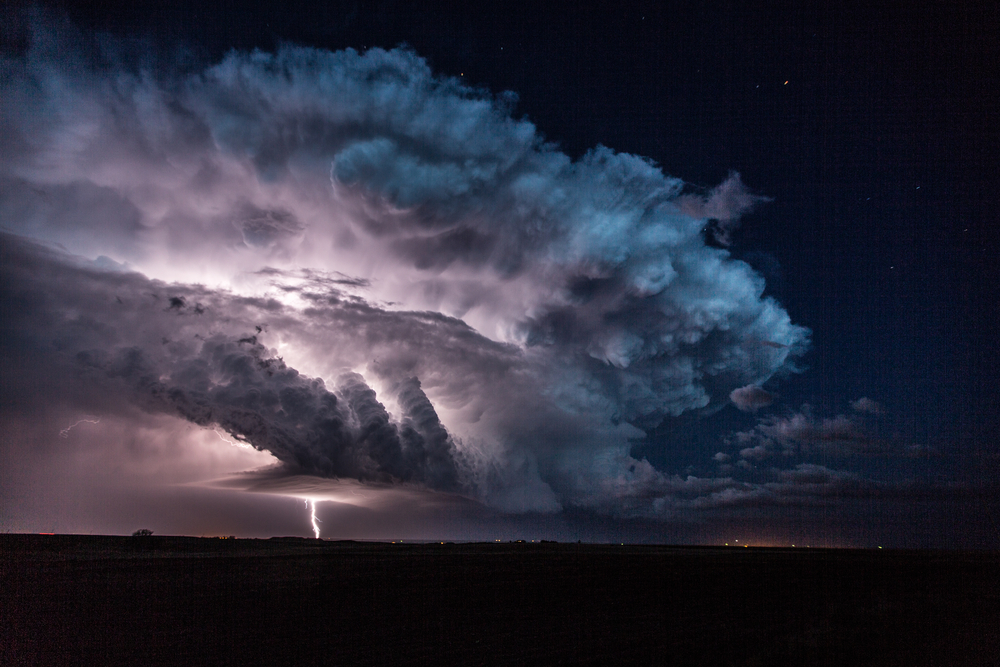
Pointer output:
x,y
370,272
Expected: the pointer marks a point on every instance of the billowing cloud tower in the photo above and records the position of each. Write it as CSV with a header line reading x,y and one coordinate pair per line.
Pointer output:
x,y
369,271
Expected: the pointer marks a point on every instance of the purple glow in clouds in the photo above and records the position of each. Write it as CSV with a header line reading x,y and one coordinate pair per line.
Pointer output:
x,y
372,273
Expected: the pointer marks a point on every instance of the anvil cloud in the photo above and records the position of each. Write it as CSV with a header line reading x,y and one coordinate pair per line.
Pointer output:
x,y
369,271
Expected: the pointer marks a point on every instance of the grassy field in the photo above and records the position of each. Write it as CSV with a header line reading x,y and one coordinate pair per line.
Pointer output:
x,y
67,600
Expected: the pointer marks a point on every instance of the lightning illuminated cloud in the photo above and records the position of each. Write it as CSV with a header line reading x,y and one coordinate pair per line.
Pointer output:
x,y
370,271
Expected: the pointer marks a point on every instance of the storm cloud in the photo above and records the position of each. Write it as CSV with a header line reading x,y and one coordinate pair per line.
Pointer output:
x,y
369,271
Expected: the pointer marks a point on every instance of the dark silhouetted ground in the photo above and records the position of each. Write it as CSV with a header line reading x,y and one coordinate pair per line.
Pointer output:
x,y
67,600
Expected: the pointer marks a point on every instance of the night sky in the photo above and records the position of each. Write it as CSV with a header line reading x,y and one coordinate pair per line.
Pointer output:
x,y
652,274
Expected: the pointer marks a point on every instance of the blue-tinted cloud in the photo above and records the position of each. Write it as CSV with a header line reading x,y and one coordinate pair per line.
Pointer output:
x,y
443,298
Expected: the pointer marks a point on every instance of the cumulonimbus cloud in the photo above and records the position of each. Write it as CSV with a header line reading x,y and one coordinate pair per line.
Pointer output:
x,y
442,297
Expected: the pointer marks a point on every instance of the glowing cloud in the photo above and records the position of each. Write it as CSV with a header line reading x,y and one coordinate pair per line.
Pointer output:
x,y
371,272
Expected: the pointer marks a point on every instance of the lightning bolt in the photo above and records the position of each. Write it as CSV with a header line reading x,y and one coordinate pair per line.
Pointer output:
x,y
311,504
241,445
65,432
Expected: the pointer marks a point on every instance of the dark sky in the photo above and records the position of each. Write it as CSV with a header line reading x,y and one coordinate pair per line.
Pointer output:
x,y
871,132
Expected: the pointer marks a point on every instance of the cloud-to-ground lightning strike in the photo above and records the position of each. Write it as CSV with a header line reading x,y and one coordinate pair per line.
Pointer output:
x,y
311,504
65,432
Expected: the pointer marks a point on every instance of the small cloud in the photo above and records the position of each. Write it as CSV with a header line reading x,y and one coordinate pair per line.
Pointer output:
x,y
756,453
751,398
842,435
723,206
867,406
721,457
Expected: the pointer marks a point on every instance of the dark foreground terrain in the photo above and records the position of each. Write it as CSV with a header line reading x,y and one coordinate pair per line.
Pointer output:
x,y
67,600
